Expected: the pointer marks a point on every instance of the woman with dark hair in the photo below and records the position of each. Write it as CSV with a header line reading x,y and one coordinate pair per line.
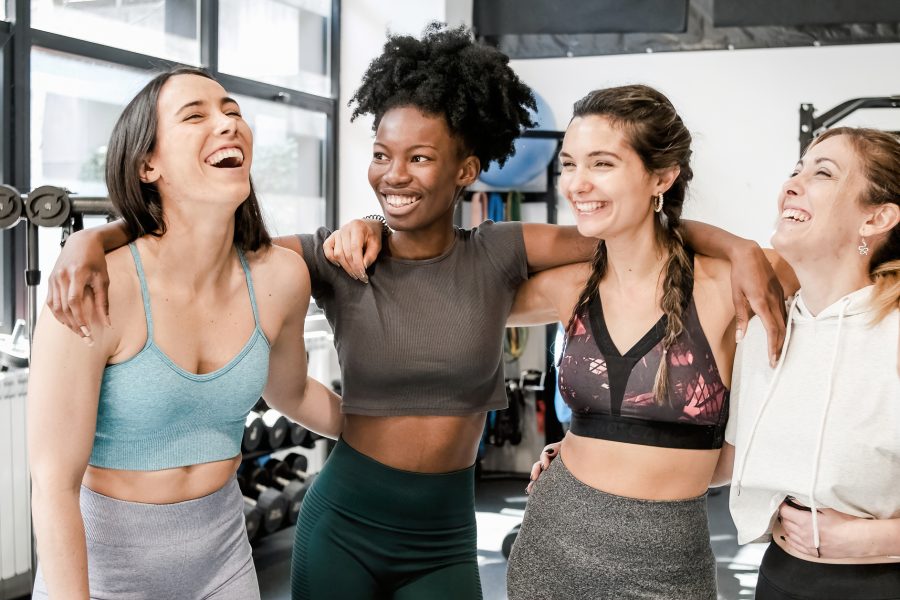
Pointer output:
x,y
134,440
392,513
817,440
646,369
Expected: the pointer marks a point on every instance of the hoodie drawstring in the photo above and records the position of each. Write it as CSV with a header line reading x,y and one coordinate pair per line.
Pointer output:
x,y
817,456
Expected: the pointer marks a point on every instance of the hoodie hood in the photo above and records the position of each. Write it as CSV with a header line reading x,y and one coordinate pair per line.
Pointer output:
x,y
855,303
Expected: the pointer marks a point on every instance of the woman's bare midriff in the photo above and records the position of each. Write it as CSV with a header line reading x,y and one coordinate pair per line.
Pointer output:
x,y
778,531
167,486
635,471
422,444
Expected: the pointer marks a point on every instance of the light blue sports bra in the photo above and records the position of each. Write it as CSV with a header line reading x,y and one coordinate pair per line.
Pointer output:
x,y
155,415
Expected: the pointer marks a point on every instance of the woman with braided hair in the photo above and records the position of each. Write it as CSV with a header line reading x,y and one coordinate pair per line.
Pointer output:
x,y
646,370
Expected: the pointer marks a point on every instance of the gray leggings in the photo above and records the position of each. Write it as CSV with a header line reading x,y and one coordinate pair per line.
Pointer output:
x,y
190,550
579,543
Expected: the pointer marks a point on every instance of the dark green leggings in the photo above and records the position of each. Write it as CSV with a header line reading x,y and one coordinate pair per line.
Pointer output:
x,y
369,531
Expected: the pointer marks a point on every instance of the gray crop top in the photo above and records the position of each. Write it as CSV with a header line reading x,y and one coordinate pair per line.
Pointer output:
x,y
423,337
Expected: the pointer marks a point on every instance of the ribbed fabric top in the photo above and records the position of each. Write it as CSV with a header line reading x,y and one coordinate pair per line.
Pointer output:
x,y
154,415
423,337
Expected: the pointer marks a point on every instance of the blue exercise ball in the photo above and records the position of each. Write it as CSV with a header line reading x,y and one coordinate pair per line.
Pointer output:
x,y
532,155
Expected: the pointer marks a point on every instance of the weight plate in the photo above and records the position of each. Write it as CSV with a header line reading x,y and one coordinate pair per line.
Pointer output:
x,y
10,206
48,206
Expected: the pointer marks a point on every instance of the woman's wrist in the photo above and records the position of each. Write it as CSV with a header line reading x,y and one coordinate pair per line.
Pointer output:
x,y
741,248
879,537
385,230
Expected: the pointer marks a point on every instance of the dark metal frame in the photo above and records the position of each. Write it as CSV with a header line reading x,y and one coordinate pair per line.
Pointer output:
x,y
701,34
16,41
811,125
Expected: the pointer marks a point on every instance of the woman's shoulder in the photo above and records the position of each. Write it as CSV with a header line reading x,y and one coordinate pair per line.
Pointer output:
x,y
279,270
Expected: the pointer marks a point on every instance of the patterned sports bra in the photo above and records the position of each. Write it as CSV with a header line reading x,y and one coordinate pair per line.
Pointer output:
x,y
611,395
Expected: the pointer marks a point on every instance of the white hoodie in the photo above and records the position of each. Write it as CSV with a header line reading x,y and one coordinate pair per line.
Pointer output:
x,y
824,425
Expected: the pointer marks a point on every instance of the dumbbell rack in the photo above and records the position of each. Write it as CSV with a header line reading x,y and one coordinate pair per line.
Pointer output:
x,y
274,487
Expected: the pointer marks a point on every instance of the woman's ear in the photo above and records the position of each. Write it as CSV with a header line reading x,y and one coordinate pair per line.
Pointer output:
x,y
665,178
468,171
148,173
881,220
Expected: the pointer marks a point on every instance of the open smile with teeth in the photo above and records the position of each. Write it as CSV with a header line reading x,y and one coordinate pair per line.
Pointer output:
x,y
227,158
397,201
792,214
589,207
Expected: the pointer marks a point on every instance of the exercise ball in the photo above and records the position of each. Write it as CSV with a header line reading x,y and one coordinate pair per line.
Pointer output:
x,y
532,155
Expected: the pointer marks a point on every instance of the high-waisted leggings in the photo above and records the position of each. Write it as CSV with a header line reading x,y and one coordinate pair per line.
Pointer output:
x,y
580,543
370,531
196,549
786,577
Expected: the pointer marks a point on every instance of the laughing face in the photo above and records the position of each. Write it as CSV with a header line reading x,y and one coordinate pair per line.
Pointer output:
x,y
604,180
417,169
203,147
820,212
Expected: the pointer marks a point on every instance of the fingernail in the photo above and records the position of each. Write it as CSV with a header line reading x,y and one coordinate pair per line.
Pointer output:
x,y
773,361
85,331
738,336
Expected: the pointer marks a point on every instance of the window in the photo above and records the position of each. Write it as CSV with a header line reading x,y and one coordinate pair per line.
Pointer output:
x,y
298,38
74,104
164,28
288,164
86,59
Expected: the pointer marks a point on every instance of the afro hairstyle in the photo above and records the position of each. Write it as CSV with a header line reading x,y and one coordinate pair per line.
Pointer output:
x,y
446,73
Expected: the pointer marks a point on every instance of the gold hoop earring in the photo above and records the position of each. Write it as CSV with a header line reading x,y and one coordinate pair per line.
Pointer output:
x,y
658,203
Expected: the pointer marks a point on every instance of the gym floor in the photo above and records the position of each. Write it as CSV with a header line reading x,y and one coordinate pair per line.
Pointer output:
x,y
499,504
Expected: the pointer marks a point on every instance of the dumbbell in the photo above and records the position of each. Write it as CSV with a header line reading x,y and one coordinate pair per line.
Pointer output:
x,y
297,465
253,517
276,428
253,432
269,501
280,476
298,434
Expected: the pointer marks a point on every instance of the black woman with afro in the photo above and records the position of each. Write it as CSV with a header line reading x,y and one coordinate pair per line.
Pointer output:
x,y
419,332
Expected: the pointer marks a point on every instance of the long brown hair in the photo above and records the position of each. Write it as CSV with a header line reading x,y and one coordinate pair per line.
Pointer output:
x,y
879,153
658,136
139,204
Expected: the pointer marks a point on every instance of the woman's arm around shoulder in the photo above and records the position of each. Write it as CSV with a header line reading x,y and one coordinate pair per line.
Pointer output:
x,y
549,296
63,392
283,298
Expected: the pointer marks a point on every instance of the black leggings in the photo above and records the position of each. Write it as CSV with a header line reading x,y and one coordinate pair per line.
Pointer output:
x,y
785,577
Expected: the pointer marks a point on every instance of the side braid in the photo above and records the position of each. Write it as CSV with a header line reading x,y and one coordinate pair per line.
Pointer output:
x,y
676,285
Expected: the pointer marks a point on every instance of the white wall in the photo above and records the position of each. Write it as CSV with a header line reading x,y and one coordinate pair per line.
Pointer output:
x,y
742,108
